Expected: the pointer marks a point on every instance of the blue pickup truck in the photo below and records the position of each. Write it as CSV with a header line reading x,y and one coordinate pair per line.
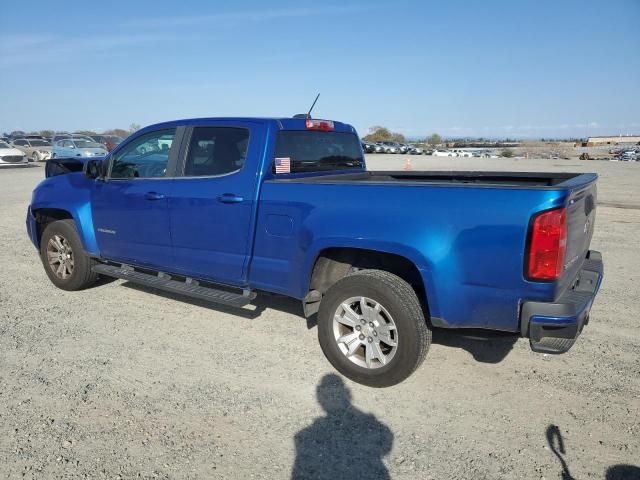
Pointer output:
x,y
222,209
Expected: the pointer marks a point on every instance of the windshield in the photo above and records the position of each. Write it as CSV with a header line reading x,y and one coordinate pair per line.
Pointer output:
x,y
86,144
39,143
314,151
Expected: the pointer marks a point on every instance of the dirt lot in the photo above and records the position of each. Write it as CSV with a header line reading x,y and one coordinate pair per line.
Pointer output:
x,y
120,382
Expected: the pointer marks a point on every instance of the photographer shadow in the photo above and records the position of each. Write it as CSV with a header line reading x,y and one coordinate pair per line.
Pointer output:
x,y
345,442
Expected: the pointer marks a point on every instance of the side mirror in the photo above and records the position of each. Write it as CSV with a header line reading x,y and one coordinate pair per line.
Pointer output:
x,y
94,169
72,146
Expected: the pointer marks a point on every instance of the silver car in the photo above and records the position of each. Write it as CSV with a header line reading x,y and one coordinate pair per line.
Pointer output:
x,y
391,147
77,147
37,150
380,148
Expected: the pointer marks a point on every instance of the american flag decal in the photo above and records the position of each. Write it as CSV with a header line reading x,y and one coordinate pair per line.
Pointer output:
x,y
283,165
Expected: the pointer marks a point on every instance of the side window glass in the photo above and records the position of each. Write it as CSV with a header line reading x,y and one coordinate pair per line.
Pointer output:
x,y
216,151
145,157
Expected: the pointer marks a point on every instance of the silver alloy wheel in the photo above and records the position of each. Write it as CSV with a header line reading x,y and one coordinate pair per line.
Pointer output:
x,y
34,157
365,332
60,257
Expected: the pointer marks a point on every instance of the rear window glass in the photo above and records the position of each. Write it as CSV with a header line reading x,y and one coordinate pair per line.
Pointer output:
x,y
314,151
216,151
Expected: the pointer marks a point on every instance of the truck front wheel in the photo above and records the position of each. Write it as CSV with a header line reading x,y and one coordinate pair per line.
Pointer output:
x,y
372,329
67,265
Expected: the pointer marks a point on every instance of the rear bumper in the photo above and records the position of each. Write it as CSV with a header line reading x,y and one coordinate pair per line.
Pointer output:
x,y
554,327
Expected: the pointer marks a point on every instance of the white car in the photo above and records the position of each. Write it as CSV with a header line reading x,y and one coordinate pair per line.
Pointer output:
x,y
77,147
442,153
10,156
461,153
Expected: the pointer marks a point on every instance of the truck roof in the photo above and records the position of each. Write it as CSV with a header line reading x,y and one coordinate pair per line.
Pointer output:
x,y
282,123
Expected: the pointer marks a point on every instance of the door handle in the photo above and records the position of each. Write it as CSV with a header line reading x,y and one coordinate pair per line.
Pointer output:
x,y
154,196
230,198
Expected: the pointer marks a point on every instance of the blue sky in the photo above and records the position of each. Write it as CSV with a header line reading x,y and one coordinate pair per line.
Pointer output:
x,y
460,68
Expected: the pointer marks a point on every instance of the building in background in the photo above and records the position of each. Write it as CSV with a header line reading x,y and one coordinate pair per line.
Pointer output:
x,y
595,141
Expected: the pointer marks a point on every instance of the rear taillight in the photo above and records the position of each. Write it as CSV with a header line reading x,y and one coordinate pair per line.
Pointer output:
x,y
322,125
547,245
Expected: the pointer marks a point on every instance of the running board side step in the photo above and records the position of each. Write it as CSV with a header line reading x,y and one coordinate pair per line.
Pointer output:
x,y
163,281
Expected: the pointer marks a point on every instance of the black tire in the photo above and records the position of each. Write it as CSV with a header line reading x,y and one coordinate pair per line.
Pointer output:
x,y
402,303
81,275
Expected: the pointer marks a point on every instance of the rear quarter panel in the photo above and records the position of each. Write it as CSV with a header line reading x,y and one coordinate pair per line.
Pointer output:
x,y
468,242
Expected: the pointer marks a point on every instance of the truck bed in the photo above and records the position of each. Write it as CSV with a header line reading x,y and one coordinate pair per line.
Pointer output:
x,y
502,179
465,231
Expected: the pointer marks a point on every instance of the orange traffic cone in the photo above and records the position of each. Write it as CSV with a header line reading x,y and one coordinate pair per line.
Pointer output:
x,y
407,166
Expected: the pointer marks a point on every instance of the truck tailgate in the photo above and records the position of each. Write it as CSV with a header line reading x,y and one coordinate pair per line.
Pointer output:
x,y
581,212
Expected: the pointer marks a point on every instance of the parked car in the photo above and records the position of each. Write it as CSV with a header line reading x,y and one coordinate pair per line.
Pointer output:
x,y
287,206
77,147
17,134
442,153
482,154
36,150
457,152
415,150
81,136
109,141
380,148
59,136
63,135
368,147
629,156
11,156
391,147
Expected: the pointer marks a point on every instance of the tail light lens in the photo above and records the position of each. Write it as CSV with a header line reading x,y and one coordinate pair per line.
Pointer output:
x,y
322,125
547,245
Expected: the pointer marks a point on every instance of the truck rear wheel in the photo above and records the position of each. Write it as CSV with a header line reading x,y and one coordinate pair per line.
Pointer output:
x,y
67,264
372,329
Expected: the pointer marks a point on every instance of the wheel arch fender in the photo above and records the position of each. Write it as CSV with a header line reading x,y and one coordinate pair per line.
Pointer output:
x,y
66,196
413,256
81,216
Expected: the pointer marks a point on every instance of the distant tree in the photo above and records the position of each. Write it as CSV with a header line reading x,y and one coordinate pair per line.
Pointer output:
x,y
46,133
382,134
434,139
378,134
134,127
398,137
119,132
85,132
507,153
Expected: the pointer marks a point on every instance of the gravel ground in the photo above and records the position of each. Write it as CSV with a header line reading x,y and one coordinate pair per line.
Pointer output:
x,y
121,382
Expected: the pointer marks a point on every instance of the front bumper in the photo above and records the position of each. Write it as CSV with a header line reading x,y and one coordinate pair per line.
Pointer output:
x,y
32,227
554,327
